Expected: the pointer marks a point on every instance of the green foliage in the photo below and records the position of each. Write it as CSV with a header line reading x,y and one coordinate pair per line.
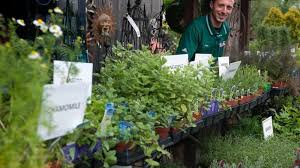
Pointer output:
x,y
271,51
287,121
25,70
259,9
292,21
247,80
249,126
274,18
172,165
276,152
237,146
139,80
246,163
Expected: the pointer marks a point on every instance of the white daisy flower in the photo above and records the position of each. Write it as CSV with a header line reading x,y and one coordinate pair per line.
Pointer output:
x,y
55,30
38,22
21,22
41,24
34,55
58,10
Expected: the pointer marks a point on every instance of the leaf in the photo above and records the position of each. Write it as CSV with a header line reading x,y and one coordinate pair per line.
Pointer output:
x,y
183,108
106,145
152,162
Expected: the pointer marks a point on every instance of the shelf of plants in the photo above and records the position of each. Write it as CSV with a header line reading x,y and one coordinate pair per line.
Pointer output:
x,y
129,156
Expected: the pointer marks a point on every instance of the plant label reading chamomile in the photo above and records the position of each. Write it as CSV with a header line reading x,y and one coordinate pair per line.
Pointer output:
x,y
176,61
202,59
63,109
267,127
231,70
70,72
223,63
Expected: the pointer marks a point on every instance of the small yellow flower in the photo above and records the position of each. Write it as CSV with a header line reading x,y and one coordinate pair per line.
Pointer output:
x,y
58,10
34,55
21,22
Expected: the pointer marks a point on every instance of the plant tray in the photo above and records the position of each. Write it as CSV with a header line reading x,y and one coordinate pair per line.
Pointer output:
x,y
253,103
208,121
265,96
244,107
259,100
279,91
218,117
199,125
228,113
130,156
166,142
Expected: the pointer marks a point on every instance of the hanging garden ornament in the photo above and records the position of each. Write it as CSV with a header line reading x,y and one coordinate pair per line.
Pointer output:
x,y
103,25
43,2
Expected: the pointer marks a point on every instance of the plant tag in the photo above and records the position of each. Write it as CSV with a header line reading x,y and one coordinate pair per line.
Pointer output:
x,y
65,72
63,109
125,128
223,63
267,128
109,112
231,70
202,59
176,61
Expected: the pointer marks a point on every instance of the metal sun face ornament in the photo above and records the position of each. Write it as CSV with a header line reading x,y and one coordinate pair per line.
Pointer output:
x,y
103,25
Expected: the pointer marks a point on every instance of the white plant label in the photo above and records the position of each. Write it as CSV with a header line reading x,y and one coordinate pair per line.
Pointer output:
x,y
63,109
202,59
231,70
223,63
267,128
63,73
176,61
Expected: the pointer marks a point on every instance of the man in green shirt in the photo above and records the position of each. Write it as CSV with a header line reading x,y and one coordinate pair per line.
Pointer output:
x,y
207,34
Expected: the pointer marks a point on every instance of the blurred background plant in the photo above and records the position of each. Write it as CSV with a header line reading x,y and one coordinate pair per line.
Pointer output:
x,y
25,67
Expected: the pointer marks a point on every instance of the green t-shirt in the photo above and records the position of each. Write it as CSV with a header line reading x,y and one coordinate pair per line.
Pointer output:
x,y
201,37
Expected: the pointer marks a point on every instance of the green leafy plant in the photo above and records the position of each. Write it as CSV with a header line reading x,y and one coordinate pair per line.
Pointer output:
x,y
27,65
287,121
276,152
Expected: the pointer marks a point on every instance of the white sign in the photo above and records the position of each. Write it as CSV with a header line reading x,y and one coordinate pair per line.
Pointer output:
x,y
134,26
223,63
202,59
63,109
176,61
267,127
63,73
231,70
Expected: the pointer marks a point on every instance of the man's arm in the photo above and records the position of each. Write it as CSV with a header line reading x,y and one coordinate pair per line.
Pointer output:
x,y
189,42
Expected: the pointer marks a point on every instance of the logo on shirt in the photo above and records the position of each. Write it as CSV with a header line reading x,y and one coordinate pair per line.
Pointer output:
x,y
184,50
222,44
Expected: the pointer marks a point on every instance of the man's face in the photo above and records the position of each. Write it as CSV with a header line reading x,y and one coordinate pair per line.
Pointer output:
x,y
221,9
